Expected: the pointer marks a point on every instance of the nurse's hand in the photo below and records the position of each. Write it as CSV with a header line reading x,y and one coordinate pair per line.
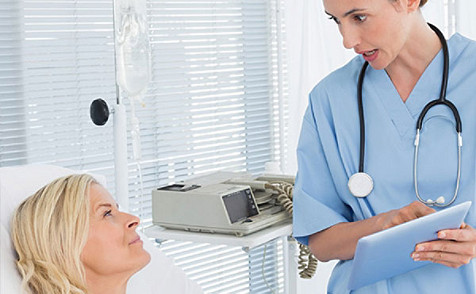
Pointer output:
x,y
340,240
454,247
402,215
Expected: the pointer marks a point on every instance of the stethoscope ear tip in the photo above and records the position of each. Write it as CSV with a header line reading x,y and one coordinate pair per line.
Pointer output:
x,y
439,200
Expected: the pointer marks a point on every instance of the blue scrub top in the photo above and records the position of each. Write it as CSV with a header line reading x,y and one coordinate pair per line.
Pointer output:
x,y
328,154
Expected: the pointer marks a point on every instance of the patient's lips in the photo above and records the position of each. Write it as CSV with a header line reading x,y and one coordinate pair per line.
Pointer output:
x,y
136,240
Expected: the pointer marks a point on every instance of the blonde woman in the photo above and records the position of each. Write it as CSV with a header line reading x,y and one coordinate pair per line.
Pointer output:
x,y
70,237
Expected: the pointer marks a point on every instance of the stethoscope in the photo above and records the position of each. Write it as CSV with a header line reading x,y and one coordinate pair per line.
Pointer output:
x,y
361,184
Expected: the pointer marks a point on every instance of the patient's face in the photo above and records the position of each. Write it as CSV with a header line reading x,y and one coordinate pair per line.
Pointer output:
x,y
113,246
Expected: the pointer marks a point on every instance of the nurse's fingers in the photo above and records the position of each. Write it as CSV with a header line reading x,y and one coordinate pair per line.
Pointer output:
x,y
465,234
414,210
449,259
460,248
407,213
420,209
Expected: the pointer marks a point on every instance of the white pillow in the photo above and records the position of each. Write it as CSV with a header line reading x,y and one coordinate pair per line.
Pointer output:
x,y
10,280
19,182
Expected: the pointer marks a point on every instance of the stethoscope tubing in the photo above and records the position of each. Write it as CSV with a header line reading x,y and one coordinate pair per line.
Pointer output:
x,y
361,116
441,100
415,174
445,102
444,86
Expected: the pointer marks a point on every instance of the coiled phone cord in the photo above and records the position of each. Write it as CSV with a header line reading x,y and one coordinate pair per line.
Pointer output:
x,y
307,262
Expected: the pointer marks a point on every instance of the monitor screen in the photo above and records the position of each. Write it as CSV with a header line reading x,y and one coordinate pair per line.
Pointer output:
x,y
240,205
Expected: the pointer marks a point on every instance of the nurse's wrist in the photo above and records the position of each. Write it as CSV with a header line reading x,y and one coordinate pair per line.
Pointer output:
x,y
381,221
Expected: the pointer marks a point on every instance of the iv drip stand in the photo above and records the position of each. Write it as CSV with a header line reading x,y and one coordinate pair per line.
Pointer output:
x,y
120,136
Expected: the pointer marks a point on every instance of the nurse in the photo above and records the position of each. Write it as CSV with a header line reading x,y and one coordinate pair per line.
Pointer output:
x,y
405,73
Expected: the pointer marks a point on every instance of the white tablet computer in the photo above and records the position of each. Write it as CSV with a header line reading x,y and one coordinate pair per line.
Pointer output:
x,y
387,253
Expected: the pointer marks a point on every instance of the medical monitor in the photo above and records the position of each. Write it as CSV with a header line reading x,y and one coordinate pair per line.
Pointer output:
x,y
211,204
240,205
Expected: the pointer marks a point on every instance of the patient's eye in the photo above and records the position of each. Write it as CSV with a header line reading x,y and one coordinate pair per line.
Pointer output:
x,y
107,213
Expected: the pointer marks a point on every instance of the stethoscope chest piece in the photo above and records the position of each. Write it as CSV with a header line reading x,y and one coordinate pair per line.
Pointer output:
x,y
360,184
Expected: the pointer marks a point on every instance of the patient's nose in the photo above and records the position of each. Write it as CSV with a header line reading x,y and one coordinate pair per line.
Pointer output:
x,y
133,221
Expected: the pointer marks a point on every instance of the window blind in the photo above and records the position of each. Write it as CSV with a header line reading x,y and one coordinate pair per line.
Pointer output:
x,y
12,125
225,269
214,102
214,99
57,57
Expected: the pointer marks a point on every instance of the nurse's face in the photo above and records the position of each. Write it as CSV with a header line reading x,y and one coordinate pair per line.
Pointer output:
x,y
377,29
113,247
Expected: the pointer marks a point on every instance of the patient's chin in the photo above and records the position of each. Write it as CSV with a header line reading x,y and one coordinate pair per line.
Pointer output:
x,y
143,259
146,259
126,265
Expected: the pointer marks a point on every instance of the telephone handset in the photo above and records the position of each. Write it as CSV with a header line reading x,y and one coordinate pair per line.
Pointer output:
x,y
283,186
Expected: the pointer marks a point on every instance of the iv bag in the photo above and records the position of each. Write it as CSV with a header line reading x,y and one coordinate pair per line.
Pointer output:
x,y
132,48
132,58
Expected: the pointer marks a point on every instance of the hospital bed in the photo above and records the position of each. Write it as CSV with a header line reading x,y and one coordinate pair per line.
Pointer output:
x,y
161,275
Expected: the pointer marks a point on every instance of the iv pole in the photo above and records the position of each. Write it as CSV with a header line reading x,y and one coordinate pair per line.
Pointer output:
x,y
99,112
132,74
120,155
121,168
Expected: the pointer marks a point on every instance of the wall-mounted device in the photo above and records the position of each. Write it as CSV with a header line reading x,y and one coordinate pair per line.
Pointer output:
x,y
222,202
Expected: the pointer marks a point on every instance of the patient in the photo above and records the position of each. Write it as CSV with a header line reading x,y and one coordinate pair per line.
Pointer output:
x,y
70,237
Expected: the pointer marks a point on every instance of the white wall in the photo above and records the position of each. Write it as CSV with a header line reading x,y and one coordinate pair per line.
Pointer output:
x,y
465,20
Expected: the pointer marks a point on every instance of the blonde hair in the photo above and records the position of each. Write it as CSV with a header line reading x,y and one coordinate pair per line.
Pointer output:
x,y
49,232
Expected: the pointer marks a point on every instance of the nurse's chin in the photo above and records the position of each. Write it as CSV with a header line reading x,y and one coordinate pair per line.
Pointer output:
x,y
378,65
